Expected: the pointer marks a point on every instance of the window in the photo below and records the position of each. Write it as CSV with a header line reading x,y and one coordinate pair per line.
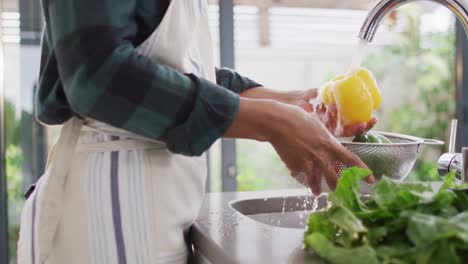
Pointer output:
x,y
292,47
25,138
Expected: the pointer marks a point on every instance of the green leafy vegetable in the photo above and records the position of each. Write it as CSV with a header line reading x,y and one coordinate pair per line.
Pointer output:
x,y
347,191
339,255
400,222
371,137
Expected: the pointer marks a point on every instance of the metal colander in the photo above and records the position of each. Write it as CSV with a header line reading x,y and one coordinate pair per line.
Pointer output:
x,y
394,160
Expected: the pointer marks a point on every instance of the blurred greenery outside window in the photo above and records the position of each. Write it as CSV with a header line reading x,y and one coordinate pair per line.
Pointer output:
x,y
427,67
420,63
14,163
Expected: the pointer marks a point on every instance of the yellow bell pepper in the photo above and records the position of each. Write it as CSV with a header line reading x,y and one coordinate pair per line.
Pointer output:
x,y
356,96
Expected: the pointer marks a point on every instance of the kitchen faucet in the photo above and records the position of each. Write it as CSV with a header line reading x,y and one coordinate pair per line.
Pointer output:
x,y
384,7
448,161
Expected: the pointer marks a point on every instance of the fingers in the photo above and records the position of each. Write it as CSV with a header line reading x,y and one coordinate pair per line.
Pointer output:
x,y
314,181
310,94
307,175
300,177
320,110
354,130
332,118
311,176
359,128
371,123
331,177
328,114
301,170
370,179
309,108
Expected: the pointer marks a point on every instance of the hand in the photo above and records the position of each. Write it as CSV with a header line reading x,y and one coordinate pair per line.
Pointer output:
x,y
329,117
297,98
326,114
300,139
311,150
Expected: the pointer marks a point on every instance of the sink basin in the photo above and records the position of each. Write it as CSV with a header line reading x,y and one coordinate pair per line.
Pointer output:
x,y
252,227
287,212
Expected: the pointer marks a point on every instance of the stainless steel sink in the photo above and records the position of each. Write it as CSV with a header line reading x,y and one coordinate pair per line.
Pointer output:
x,y
287,212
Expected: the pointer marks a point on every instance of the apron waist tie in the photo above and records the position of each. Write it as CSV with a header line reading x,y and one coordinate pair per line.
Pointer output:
x,y
127,143
49,198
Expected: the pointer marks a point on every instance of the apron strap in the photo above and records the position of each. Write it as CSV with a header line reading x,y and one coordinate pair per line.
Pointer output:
x,y
50,194
119,145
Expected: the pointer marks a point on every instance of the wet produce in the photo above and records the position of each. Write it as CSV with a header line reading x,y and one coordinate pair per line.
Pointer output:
x,y
372,138
356,95
400,222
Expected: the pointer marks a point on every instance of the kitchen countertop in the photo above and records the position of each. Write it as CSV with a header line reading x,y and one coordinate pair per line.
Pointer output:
x,y
223,235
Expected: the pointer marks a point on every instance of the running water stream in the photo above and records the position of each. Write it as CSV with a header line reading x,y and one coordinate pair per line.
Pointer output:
x,y
356,61
358,54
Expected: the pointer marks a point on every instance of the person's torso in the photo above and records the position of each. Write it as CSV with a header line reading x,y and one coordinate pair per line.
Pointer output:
x,y
148,16
50,99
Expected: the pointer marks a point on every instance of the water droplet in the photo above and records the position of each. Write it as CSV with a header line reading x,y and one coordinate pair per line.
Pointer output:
x,y
284,205
315,204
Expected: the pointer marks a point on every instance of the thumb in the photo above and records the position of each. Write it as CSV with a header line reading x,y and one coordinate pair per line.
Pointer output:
x,y
310,94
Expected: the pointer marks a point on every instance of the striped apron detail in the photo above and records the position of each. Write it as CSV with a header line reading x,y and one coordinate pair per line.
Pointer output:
x,y
116,217
126,207
128,200
33,235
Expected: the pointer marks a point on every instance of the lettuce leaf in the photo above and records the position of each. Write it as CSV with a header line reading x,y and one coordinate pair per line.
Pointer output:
x,y
339,255
401,222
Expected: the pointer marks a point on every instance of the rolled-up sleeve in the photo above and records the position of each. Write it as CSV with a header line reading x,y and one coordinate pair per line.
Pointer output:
x,y
234,81
104,78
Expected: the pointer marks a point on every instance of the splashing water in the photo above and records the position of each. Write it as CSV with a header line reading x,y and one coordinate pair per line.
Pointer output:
x,y
319,100
315,204
355,64
284,205
359,54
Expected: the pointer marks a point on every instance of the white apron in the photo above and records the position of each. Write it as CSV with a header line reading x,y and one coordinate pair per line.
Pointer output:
x,y
109,196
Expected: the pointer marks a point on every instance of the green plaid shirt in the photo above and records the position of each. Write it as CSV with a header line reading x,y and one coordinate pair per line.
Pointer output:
x,y
89,67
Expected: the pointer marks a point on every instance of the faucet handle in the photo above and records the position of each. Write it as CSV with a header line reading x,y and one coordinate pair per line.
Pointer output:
x,y
453,136
457,162
465,164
